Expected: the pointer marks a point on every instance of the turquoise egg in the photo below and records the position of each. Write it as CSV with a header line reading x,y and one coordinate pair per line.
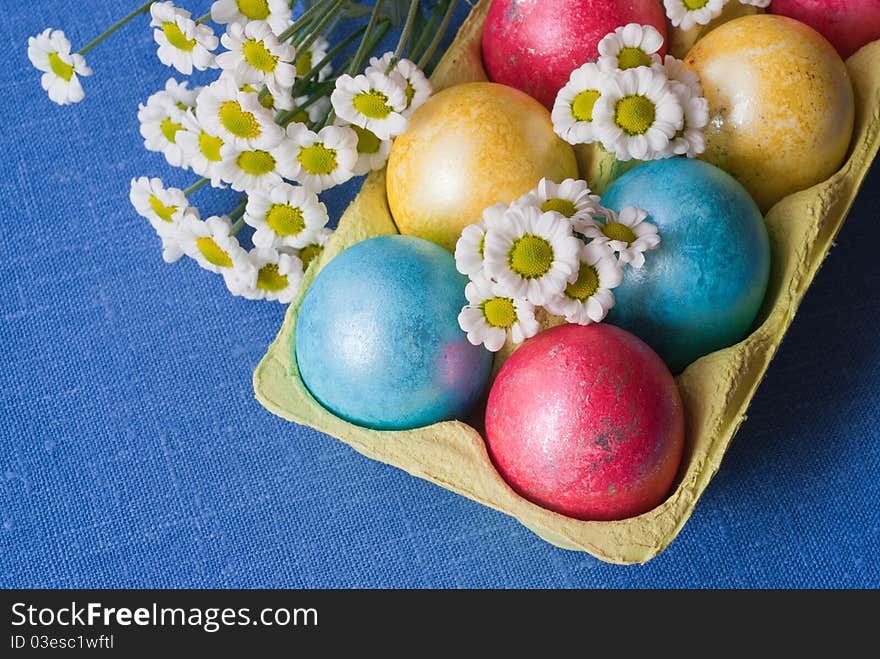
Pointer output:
x,y
378,341
702,288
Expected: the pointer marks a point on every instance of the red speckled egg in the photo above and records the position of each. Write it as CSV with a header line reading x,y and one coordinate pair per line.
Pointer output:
x,y
847,24
586,421
534,45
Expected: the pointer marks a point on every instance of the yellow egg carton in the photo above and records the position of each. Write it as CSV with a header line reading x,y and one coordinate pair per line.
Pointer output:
x,y
716,389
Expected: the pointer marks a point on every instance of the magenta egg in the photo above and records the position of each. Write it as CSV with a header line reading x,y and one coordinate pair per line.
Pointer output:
x,y
586,421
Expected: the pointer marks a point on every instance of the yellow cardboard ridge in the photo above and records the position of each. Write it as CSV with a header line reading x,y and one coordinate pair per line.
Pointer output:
x,y
716,389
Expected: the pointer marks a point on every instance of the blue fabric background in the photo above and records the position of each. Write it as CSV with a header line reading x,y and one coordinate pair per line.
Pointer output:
x,y
133,453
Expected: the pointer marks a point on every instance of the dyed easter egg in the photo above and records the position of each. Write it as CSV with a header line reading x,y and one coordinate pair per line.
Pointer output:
x,y
534,46
781,104
378,341
468,147
847,24
702,288
586,421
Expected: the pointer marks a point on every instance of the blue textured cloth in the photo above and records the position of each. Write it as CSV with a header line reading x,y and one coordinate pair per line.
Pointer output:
x,y
133,453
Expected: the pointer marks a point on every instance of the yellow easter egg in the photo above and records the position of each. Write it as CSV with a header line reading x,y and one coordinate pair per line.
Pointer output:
x,y
468,147
781,104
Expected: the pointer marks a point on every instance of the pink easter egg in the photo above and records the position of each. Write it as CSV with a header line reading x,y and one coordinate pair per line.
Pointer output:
x,y
587,422
847,24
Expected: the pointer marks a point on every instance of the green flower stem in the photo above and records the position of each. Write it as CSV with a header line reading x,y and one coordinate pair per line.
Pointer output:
x,y
303,20
204,19
195,186
425,32
236,227
319,26
364,49
405,34
320,90
302,82
143,9
429,53
237,215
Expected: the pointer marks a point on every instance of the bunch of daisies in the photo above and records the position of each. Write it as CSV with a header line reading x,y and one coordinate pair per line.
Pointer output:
x,y
277,124
556,247
688,13
634,104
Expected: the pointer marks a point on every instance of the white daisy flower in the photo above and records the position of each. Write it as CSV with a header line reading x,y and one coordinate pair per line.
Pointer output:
x,y
631,46
275,12
273,275
690,140
285,216
166,209
284,101
209,243
685,14
637,115
201,150
572,113
236,116
531,254
676,71
161,120
248,170
49,52
313,250
571,199
372,153
491,314
314,112
628,234
469,248
373,101
415,84
319,160
311,56
254,56
589,298
183,43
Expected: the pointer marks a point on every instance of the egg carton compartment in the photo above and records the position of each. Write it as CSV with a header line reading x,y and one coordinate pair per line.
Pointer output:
x,y
716,389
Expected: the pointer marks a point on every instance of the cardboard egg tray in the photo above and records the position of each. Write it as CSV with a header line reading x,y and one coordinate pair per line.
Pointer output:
x,y
716,389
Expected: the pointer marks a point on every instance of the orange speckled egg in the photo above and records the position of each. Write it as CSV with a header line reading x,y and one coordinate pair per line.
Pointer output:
x,y
468,147
780,104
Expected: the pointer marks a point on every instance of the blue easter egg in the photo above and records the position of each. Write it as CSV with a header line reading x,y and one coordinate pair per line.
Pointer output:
x,y
378,341
701,289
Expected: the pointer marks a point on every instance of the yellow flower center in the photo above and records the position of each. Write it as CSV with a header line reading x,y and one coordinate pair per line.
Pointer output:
x,y
256,10
372,104
285,220
499,312
309,253
530,256
586,284
630,57
582,107
410,93
164,212
169,129
210,146
268,278
256,163
635,114
564,206
619,231
304,63
258,56
367,140
238,122
317,159
177,38
693,5
59,67
213,253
